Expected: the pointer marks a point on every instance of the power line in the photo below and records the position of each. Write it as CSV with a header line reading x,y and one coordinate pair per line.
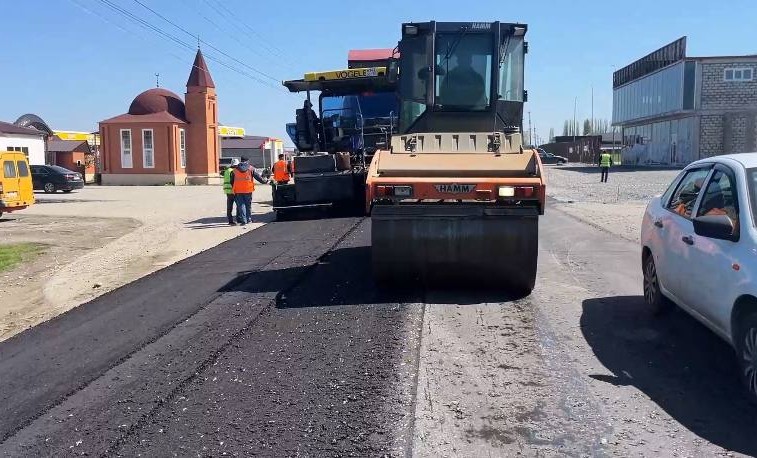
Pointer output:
x,y
178,41
228,13
243,43
206,43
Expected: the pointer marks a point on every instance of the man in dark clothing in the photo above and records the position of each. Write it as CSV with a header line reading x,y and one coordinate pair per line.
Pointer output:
x,y
463,85
243,187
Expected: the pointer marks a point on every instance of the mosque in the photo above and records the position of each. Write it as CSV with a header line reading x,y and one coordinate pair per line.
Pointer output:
x,y
163,139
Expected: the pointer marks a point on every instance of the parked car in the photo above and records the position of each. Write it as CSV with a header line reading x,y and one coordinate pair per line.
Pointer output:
x,y
52,178
698,245
549,158
15,182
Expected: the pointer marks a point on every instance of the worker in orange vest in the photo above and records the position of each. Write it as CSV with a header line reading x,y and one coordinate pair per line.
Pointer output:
x,y
281,171
243,187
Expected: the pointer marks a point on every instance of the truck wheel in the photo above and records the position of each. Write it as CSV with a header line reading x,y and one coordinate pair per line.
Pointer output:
x,y
746,351
49,188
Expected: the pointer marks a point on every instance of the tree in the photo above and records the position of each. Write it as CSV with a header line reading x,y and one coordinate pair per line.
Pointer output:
x,y
601,126
551,134
587,126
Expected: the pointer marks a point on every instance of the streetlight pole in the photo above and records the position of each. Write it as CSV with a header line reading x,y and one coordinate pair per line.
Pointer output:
x,y
575,101
530,131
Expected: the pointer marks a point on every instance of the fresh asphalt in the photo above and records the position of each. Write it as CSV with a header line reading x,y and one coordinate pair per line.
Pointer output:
x,y
278,343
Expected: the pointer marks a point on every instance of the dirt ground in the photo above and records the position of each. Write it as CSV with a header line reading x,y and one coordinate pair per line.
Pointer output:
x,y
616,206
101,238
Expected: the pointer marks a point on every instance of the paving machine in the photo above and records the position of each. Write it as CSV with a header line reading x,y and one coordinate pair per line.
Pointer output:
x,y
456,196
358,109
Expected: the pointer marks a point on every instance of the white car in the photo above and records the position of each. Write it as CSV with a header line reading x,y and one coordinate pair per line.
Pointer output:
x,y
699,251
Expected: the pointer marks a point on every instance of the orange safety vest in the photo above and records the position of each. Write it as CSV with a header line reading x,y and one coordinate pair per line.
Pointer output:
x,y
243,183
280,172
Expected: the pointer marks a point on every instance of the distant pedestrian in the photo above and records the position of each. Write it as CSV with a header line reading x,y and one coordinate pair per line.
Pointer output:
x,y
605,161
243,187
227,189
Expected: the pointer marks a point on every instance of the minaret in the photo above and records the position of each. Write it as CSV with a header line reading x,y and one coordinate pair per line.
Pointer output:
x,y
202,132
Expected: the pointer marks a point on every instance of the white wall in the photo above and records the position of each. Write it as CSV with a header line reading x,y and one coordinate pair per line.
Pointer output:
x,y
35,144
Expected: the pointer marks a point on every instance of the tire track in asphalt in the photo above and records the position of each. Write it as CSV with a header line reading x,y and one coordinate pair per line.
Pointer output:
x,y
204,365
43,421
330,371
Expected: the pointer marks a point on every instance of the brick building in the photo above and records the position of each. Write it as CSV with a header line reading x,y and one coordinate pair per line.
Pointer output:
x,y
73,155
164,139
675,109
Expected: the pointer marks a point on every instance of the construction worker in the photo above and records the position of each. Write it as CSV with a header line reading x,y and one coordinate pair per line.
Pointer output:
x,y
229,191
281,171
243,187
605,161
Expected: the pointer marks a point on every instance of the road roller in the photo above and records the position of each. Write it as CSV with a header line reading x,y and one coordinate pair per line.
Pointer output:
x,y
456,198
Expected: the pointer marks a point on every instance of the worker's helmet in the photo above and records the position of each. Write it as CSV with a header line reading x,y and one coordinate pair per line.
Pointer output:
x,y
234,162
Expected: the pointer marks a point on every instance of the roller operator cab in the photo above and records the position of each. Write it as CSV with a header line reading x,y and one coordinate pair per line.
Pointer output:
x,y
455,196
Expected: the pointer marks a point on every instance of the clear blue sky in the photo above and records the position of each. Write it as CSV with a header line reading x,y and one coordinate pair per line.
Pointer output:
x,y
74,68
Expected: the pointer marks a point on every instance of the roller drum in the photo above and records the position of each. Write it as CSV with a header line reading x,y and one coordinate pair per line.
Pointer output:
x,y
455,245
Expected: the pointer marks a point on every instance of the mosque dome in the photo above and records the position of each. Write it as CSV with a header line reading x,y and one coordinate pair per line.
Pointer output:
x,y
157,100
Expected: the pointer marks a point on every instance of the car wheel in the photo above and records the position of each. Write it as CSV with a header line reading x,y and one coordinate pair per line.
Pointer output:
x,y
652,294
49,188
746,351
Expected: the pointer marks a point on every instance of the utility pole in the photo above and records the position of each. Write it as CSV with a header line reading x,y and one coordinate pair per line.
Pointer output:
x,y
592,110
530,131
575,101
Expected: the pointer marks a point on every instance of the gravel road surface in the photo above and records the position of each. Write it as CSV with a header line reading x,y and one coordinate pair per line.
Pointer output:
x,y
303,356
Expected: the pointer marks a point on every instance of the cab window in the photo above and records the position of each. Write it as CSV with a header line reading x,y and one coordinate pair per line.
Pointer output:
x,y
685,195
464,67
9,170
23,169
720,198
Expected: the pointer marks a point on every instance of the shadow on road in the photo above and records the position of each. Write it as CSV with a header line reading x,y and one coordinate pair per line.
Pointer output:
x,y
212,222
344,277
681,365
316,213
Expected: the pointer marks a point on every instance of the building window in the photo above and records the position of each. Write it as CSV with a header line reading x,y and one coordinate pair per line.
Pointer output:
x,y
183,148
126,162
19,149
738,74
148,149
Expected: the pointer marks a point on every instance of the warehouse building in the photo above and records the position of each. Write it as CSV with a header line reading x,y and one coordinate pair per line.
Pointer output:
x,y
675,109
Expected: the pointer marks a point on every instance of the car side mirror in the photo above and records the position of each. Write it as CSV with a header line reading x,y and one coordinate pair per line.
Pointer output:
x,y
715,227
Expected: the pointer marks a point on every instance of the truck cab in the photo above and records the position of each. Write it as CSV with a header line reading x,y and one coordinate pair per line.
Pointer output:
x,y
357,115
